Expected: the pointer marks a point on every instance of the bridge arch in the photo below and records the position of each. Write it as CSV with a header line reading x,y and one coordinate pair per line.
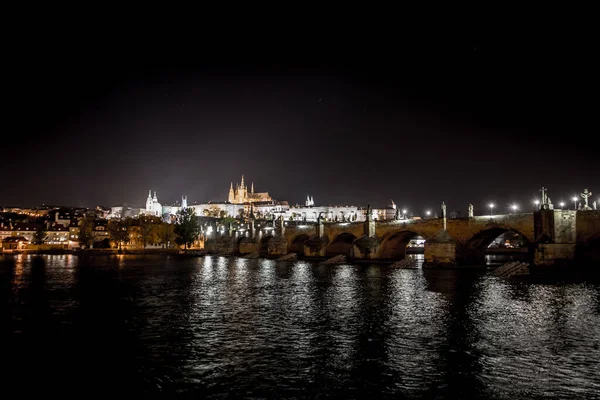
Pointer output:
x,y
588,252
341,244
264,245
297,243
394,244
474,250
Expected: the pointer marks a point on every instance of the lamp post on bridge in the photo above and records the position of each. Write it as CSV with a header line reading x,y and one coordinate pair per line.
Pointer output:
x,y
562,205
491,209
537,205
574,202
514,207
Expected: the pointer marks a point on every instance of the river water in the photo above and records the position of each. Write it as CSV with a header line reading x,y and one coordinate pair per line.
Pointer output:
x,y
234,328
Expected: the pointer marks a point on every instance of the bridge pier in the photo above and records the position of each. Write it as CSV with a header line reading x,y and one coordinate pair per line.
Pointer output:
x,y
316,246
278,246
440,250
249,245
225,245
367,246
555,232
210,246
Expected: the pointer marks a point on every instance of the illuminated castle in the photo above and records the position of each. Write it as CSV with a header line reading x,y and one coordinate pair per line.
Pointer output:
x,y
241,195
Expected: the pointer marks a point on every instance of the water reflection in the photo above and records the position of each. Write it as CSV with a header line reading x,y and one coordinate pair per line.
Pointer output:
x,y
341,303
218,327
556,323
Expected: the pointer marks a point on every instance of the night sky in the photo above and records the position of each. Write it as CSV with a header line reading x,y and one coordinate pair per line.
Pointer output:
x,y
349,122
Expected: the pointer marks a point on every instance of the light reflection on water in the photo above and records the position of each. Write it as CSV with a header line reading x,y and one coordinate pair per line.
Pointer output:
x,y
218,326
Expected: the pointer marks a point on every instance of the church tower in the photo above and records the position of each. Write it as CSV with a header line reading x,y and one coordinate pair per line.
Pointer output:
x,y
149,201
242,192
231,197
183,202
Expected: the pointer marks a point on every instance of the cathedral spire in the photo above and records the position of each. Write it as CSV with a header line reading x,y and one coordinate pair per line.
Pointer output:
x,y
242,184
252,188
231,197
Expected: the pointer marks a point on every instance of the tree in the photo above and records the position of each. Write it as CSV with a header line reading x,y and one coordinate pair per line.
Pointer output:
x,y
86,226
39,236
228,220
148,229
119,231
166,234
186,228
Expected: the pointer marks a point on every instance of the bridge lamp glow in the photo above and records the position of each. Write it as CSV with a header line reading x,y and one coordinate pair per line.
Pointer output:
x,y
574,202
428,212
562,205
514,207
491,205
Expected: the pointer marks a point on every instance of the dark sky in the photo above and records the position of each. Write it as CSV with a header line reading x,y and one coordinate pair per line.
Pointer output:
x,y
348,120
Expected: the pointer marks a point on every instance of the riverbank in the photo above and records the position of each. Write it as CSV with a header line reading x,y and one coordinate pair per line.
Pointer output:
x,y
106,252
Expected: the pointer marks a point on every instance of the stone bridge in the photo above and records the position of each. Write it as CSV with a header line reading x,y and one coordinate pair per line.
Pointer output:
x,y
552,237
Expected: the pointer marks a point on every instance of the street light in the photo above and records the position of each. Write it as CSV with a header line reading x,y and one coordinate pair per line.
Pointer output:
x,y
514,207
491,208
537,204
562,205
404,213
428,213
574,202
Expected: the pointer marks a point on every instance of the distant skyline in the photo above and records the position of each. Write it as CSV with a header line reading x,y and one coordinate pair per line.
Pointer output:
x,y
463,121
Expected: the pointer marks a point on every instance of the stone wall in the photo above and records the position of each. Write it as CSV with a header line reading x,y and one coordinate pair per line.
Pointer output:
x,y
588,225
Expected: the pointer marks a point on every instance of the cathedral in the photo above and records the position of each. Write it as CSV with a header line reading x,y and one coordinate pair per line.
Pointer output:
x,y
241,195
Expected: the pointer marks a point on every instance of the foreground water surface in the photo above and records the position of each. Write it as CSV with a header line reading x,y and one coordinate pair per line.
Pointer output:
x,y
227,327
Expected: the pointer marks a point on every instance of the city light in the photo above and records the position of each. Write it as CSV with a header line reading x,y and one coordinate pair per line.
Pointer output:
x,y
574,202
562,205
514,207
428,212
491,208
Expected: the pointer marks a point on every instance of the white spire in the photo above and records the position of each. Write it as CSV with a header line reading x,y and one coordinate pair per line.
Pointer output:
x,y
252,188
242,184
312,201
